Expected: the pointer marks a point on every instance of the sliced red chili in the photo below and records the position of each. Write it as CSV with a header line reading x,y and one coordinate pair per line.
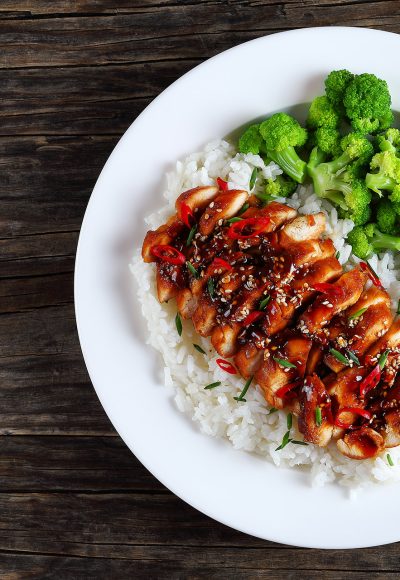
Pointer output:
x,y
370,381
222,184
326,288
186,215
311,220
286,391
356,410
252,317
226,366
247,228
168,254
220,263
372,275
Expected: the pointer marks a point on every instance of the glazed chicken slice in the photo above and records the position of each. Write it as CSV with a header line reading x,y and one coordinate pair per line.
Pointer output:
x,y
389,343
301,229
363,443
224,206
361,325
315,416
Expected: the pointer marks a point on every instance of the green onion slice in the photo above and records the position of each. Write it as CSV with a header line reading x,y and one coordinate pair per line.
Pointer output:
x,y
318,416
295,442
192,269
358,313
253,178
289,421
398,308
264,302
285,440
243,208
352,355
272,410
383,358
198,347
234,220
284,363
339,356
210,286
389,460
244,391
213,385
178,323
191,235
337,256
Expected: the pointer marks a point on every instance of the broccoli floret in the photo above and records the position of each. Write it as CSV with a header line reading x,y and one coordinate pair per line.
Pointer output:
x,y
367,102
389,140
322,114
387,176
366,240
282,133
335,85
328,140
251,141
282,186
386,217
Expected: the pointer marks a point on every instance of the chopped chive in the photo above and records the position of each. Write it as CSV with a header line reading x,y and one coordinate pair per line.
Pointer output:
x,y
285,440
272,410
352,355
178,323
389,460
398,308
289,421
198,347
245,389
295,442
253,178
234,220
339,356
264,302
337,255
358,313
210,286
318,416
192,269
383,358
284,363
213,385
191,235
243,208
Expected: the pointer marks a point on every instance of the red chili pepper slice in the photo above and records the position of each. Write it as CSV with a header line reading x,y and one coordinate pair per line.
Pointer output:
x,y
370,381
222,184
311,220
226,366
356,410
365,267
168,254
252,317
326,288
220,263
285,392
186,214
247,228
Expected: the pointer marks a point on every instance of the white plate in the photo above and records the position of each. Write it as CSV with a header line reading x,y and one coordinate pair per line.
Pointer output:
x,y
236,488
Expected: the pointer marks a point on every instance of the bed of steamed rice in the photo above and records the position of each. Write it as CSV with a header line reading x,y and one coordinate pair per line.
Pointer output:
x,y
248,426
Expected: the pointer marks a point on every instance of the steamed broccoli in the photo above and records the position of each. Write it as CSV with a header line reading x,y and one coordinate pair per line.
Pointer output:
x,y
251,141
282,186
387,176
386,217
322,114
366,240
338,180
367,102
282,133
327,139
335,86
389,140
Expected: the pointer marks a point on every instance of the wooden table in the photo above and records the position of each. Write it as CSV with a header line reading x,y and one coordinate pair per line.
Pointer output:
x,y
74,502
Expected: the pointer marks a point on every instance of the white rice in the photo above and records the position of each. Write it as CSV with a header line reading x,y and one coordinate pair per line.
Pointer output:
x,y
248,425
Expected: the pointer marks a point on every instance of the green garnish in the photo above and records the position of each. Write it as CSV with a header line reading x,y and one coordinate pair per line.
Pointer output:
x,y
285,440
295,442
198,347
358,313
243,208
289,421
210,286
213,385
234,220
192,269
264,302
337,255
352,355
245,389
178,323
383,358
191,235
398,308
284,363
339,356
253,178
272,410
389,460
318,416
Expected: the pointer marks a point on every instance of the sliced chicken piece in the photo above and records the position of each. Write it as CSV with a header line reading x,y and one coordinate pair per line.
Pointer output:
x,y
163,235
391,433
273,374
314,359
343,293
197,198
248,359
225,206
363,443
301,229
388,342
303,254
169,280
315,418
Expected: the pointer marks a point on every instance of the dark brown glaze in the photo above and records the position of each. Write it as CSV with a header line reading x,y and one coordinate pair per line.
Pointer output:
x,y
316,428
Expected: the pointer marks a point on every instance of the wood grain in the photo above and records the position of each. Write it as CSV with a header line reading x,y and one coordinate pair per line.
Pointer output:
x,y
74,502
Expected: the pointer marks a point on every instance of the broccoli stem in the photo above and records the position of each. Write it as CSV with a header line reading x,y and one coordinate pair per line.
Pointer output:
x,y
382,241
378,181
329,186
289,162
